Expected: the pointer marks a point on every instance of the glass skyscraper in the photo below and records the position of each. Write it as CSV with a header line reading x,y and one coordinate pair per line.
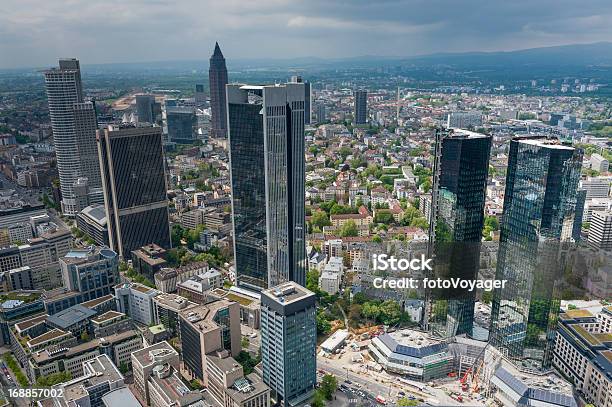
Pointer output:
x,y
460,184
182,124
266,138
133,177
539,215
361,106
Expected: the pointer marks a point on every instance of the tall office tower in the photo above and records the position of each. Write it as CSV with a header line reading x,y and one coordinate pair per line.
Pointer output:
x,y
288,342
266,134
539,215
132,162
74,124
217,79
307,98
600,232
182,124
361,106
460,184
199,96
321,115
145,108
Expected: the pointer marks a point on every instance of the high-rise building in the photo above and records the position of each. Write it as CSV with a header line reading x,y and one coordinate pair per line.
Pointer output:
x,y
266,134
199,96
206,329
321,115
460,184
463,120
217,77
307,98
133,170
74,124
93,272
538,217
288,342
361,106
182,124
600,231
147,109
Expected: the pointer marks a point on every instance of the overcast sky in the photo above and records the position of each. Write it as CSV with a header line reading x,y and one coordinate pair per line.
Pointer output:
x,y
36,32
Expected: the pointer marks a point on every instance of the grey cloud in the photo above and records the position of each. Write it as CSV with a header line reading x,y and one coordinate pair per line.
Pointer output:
x,y
36,32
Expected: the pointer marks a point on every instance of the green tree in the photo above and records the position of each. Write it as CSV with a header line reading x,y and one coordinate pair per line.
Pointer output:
x,y
323,325
319,399
406,402
349,229
320,219
329,385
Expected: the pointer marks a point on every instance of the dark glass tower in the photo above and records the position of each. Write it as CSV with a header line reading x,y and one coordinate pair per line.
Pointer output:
x,y
361,106
182,124
266,138
539,214
134,183
217,77
460,188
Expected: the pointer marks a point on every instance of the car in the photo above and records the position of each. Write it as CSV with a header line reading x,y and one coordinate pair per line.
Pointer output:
x,y
348,382
401,393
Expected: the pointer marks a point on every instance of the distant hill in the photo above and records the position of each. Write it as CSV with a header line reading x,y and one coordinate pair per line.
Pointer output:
x,y
566,55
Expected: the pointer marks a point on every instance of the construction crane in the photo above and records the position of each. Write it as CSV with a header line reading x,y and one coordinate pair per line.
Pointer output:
x,y
479,361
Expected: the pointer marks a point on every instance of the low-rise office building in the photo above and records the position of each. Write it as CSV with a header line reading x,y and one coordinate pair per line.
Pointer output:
x,y
413,354
583,354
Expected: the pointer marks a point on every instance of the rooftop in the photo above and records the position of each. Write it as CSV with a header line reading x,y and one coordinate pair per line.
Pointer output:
x,y
287,293
70,316
151,354
107,316
98,370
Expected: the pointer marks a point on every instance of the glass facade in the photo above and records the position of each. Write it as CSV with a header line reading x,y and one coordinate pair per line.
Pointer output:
x,y
288,345
539,215
182,124
135,188
461,182
266,134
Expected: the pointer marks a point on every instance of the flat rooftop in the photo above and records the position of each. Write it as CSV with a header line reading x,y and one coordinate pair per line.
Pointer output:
x,y
71,316
107,316
174,301
413,338
287,293
97,370
146,356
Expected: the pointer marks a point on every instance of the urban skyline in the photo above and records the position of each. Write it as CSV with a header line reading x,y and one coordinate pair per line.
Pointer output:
x,y
226,261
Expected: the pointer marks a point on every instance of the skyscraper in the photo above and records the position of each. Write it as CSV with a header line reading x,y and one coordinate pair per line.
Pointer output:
x,y
74,124
460,184
288,342
307,98
217,77
266,135
539,215
182,124
361,106
134,182
147,109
